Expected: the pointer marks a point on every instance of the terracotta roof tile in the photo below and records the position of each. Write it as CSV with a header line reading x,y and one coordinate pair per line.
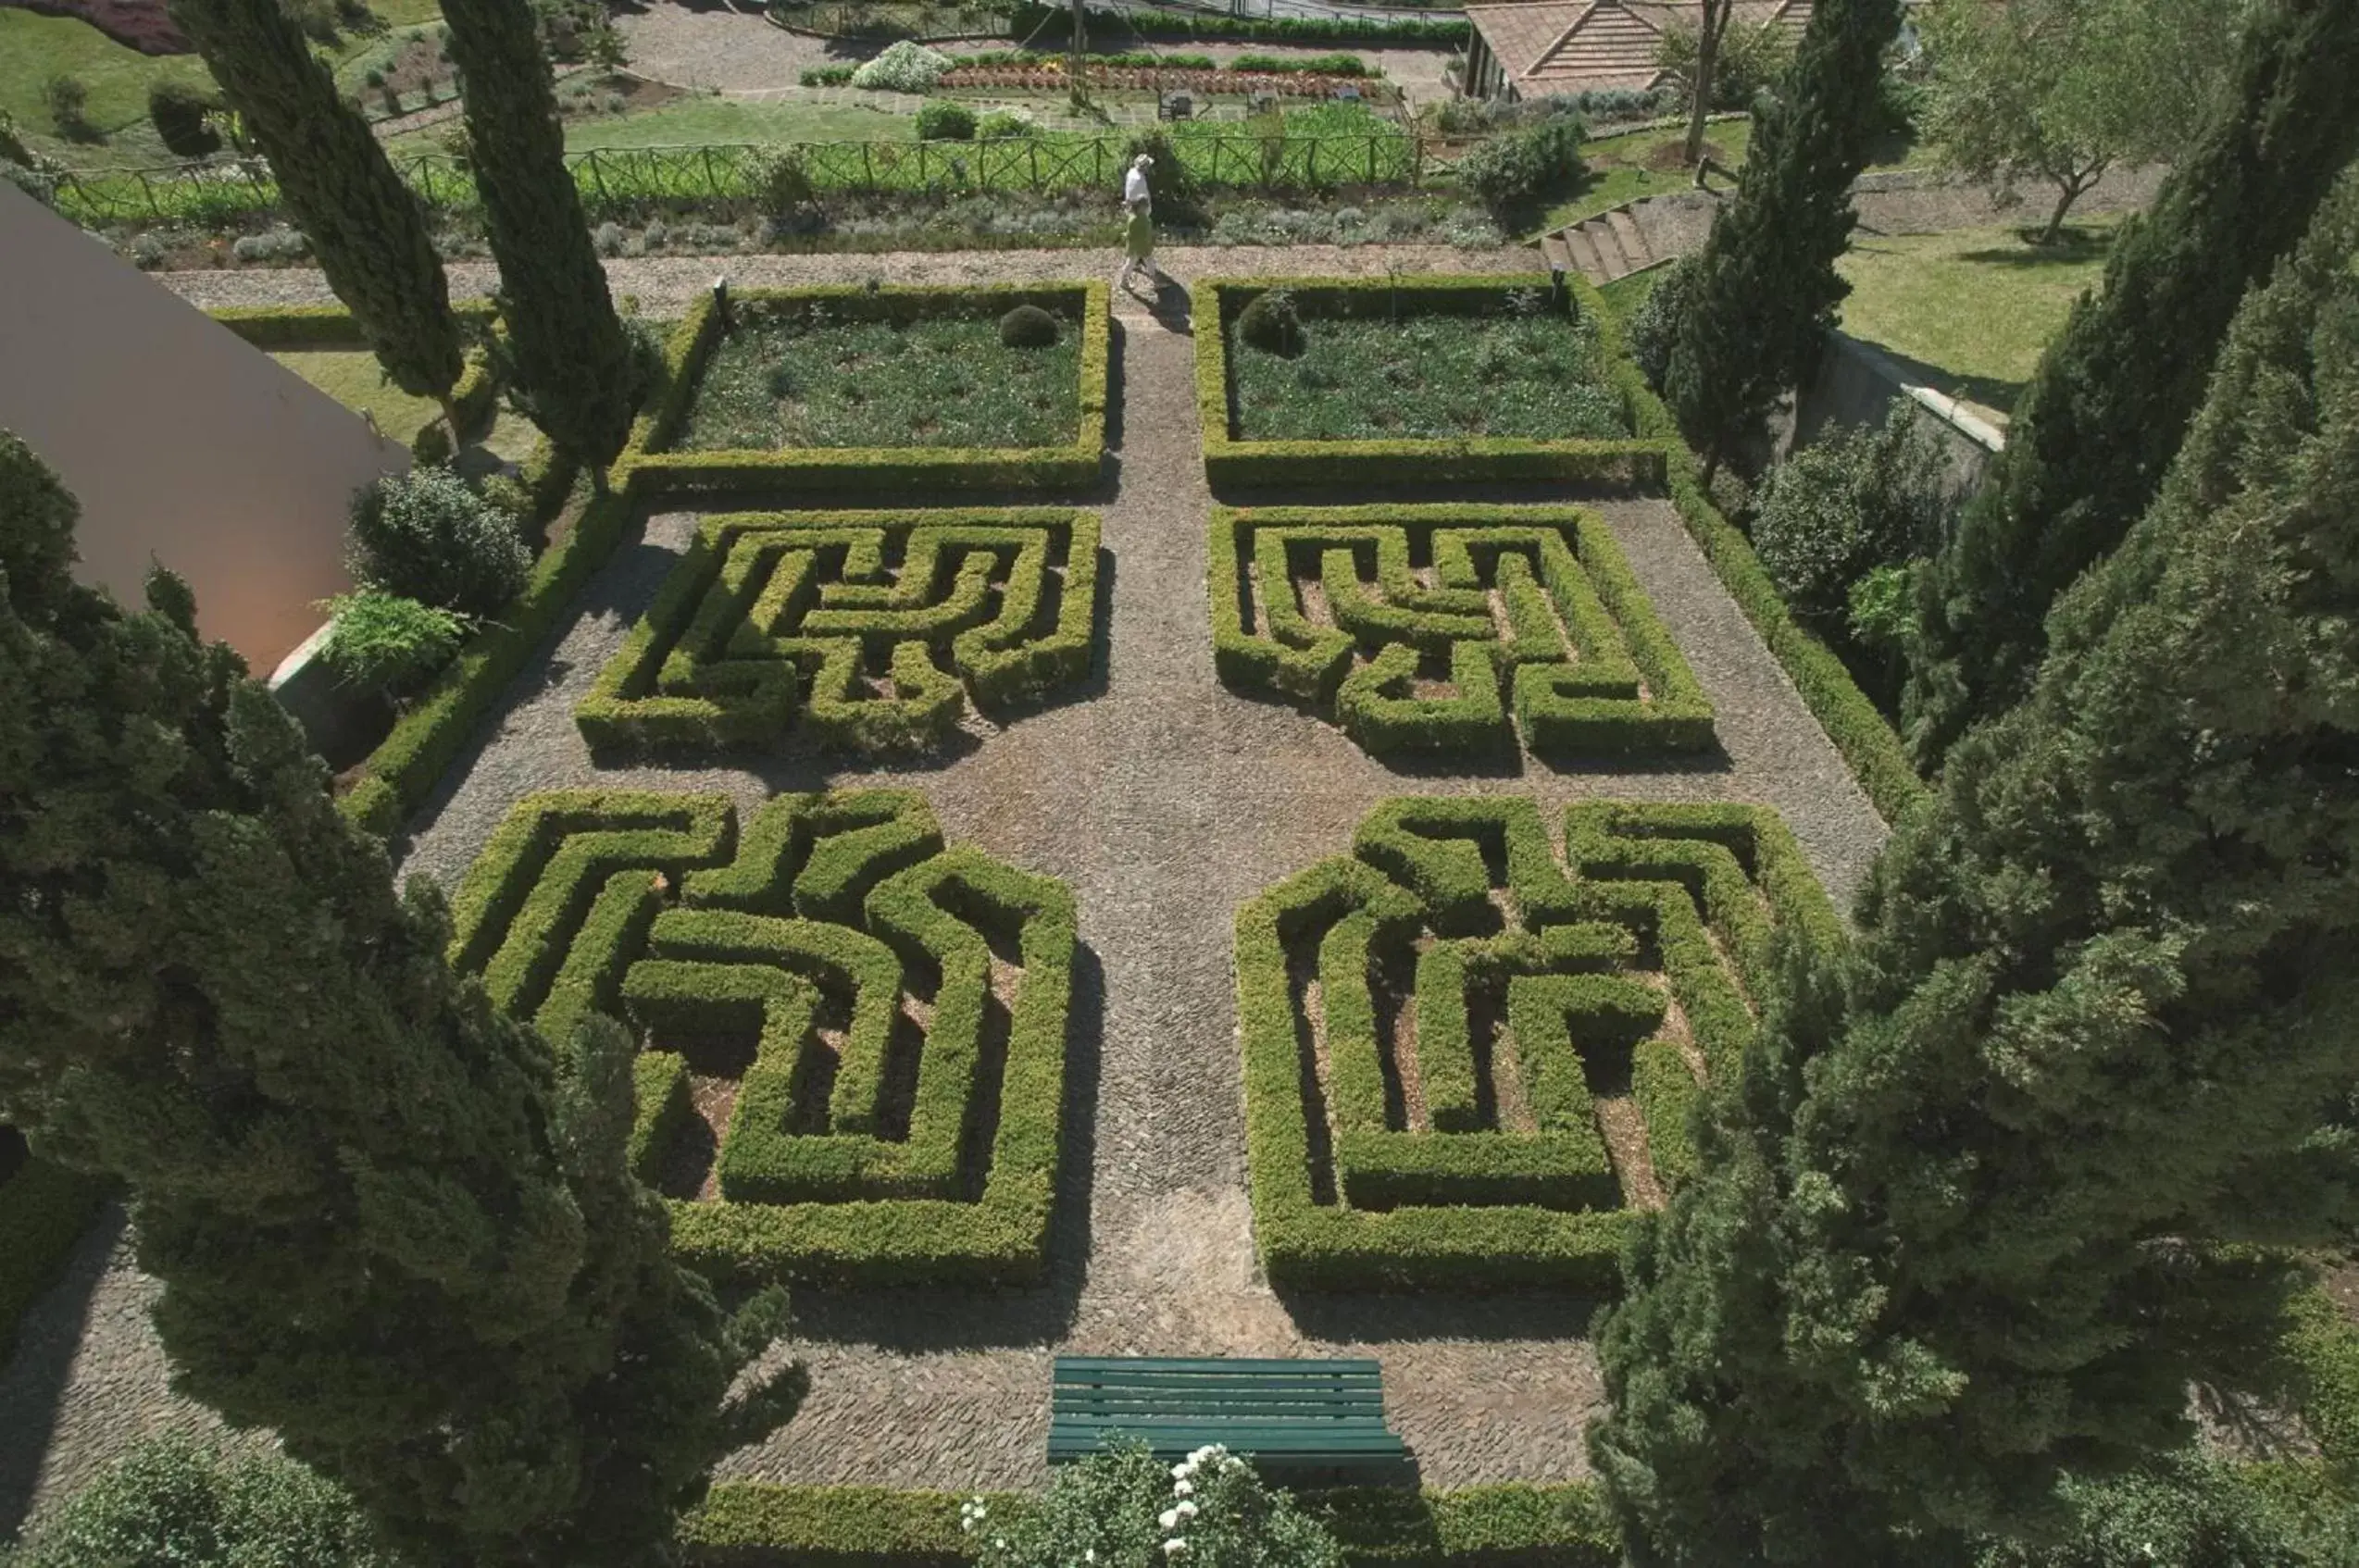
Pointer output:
x,y
1566,45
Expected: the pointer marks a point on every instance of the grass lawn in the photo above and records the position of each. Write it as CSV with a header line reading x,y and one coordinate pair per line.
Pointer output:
x,y
690,121
787,381
1638,164
1426,378
35,48
1626,293
353,377
1973,308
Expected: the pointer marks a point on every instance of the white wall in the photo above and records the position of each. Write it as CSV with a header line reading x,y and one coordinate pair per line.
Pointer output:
x,y
183,443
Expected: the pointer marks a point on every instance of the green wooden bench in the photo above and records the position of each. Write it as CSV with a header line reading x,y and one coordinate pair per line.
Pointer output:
x,y
1287,1416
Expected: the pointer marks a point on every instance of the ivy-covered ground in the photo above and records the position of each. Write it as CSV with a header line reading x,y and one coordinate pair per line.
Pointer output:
x,y
1165,801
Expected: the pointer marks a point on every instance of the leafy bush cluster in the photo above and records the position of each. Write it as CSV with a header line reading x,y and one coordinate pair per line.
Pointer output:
x,y
1125,1509
427,536
942,120
906,67
1596,106
1312,64
1855,500
389,644
180,112
1002,125
1751,57
172,1501
1514,168
1027,326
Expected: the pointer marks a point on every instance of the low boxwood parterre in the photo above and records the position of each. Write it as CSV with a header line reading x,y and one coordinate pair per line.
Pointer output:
x,y
653,470
1231,460
1540,987
778,958
43,1211
1581,666
769,617
753,1524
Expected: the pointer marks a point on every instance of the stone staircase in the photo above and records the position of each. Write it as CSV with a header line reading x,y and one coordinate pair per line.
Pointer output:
x,y
1601,249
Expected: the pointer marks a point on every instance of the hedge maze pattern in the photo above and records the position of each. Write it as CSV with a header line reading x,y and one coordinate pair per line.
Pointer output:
x,y
1449,628
854,1064
868,628
1467,1058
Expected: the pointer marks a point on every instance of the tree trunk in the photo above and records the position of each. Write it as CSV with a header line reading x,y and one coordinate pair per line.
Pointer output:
x,y
2071,188
1707,49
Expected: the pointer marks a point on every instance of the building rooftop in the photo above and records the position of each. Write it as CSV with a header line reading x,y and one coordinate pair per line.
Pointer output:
x,y
1570,46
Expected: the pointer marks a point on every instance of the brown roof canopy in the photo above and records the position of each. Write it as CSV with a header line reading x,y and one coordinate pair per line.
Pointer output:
x,y
1570,46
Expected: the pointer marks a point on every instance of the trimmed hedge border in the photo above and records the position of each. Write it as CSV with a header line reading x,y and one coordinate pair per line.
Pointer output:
x,y
656,472
756,1525
656,906
2323,1346
274,327
1231,460
1868,742
43,1211
1569,578
1650,885
721,656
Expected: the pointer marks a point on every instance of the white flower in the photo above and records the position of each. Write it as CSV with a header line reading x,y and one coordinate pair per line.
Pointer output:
x,y
1174,1548
1169,1519
1091,1555
1182,1488
1181,1472
1000,1541
1186,1510
1205,1452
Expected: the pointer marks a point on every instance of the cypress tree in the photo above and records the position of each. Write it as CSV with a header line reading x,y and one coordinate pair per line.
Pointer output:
x,y
2093,433
1763,295
572,363
366,226
2000,1180
390,1224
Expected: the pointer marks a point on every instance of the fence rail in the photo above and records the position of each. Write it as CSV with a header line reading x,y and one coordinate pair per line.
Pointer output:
x,y
621,181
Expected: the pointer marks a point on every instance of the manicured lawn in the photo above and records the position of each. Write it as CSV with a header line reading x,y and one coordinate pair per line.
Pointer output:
x,y
789,382
354,378
1974,306
1620,171
690,121
1426,378
35,48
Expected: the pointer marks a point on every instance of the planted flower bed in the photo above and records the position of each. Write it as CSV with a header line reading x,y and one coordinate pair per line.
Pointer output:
x,y
1343,379
841,386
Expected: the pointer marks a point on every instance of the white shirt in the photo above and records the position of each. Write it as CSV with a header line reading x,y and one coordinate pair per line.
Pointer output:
x,y
1134,188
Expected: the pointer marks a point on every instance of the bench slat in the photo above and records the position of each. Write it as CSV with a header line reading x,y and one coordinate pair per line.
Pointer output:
x,y
1212,1364
1288,1414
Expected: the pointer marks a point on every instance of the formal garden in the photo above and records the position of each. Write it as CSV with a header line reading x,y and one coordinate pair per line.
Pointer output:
x,y
1297,917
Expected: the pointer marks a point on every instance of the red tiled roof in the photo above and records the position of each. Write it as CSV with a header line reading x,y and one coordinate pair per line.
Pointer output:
x,y
1566,46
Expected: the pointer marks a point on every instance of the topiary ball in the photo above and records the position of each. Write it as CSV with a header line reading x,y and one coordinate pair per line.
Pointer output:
x,y
1272,325
1027,326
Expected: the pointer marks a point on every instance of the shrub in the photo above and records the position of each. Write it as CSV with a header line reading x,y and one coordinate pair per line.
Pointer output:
x,y
1003,125
1272,324
1517,167
1654,326
942,120
179,113
1027,326
1315,65
388,643
1845,506
829,76
426,536
280,244
906,68
1178,194
67,99
1123,1507
170,1501
2186,1510
1750,58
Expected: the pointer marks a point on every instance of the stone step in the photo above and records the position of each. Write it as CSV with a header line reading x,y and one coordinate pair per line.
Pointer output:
x,y
1557,253
1633,242
1609,247
1585,255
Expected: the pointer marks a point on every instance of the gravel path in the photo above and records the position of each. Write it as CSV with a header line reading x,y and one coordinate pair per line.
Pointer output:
x,y
1165,801
662,285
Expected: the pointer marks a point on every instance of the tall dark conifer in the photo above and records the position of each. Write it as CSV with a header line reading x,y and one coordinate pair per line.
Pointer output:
x,y
572,362
1763,295
2000,1181
388,1223
366,229
2111,400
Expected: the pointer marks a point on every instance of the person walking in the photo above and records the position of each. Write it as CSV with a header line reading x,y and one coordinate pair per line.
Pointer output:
x,y
1138,239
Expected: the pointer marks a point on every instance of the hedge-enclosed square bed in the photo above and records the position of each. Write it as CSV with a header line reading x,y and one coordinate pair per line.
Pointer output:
x,y
1415,380
907,388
